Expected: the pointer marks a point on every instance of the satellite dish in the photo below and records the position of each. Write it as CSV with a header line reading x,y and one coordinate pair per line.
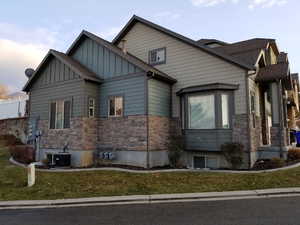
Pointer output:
x,y
29,72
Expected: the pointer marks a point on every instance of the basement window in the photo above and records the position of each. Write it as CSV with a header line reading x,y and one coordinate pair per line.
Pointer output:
x,y
157,56
115,106
201,162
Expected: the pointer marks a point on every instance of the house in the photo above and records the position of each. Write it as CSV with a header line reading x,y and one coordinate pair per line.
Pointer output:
x,y
130,96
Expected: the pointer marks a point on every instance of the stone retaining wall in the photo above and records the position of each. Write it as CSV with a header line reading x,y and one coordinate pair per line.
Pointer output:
x,y
15,126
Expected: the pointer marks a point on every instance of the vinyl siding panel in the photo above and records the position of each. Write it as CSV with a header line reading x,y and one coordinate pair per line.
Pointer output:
x,y
159,94
132,88
189,65
91,90
40,98
206,140
102,61
56,81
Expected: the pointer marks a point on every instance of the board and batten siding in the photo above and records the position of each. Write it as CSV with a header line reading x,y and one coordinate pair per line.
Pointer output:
x,y
132,88
56,81
159,98
102,61
189,65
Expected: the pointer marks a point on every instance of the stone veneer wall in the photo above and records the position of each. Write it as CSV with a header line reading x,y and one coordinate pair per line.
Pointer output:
x,y
15,126
123,133
275,137
256,133
240,130
82,135
161,130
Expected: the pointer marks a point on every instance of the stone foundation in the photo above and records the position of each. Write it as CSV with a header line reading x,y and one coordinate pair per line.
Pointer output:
x,y
16,127
275,136
123,133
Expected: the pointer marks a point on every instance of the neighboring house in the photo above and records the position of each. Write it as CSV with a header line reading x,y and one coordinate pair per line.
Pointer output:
x,y
131,95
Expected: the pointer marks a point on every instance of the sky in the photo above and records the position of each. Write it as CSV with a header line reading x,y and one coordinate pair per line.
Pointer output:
x,y
29,28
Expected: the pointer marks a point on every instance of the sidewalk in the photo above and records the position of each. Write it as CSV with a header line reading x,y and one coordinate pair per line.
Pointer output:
x,y
150,199
58,170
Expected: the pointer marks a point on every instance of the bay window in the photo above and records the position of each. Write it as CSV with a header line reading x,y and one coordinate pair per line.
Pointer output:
x,y
208,110
201,112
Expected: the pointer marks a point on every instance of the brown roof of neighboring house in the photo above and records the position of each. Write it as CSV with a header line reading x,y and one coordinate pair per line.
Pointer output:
x,y
273,72
129,57
248,50
135,19
205,41
73,64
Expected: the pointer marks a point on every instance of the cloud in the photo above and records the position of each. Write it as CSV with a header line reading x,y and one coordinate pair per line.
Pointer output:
x,y
210,3
266,3
14,59
20,49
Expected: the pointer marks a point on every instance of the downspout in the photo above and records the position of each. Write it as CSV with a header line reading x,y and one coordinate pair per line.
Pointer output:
x,y
248,117
280,116
147,118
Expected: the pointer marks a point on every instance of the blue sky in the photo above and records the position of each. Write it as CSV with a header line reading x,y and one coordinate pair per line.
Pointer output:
x,y
29,28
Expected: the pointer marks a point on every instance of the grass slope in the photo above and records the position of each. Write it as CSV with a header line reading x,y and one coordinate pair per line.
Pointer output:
x,y
109,183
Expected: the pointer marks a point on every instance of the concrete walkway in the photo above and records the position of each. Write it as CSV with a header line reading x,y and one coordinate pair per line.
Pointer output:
x,y
151,199
57,170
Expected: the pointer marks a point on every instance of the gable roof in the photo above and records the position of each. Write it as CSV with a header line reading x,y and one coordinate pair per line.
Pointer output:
x,y
127,56
135,19
248,50
273,72
83,72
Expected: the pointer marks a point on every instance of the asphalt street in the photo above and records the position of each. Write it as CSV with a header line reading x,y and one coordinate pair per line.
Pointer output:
x,y
264,211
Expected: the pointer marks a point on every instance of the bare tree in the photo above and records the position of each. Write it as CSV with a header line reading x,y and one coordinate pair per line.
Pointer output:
x,y
3,91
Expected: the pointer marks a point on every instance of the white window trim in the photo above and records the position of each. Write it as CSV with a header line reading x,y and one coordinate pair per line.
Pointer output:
x,y
115,114
91,107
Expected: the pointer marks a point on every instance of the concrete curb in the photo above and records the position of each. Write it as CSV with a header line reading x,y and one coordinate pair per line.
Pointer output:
x,y
151,199
155,171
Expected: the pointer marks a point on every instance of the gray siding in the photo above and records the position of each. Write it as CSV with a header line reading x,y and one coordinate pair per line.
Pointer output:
x,y
189,65
206,140
132,88
159,98
56,81
54,72
91,90
102,61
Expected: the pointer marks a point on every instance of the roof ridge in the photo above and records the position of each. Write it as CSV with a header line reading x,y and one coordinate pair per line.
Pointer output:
x,y
181,37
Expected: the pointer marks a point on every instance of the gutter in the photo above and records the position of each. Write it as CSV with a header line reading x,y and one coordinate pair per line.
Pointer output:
x,y
147,78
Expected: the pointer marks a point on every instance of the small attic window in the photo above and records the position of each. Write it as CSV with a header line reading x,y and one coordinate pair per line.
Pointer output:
x,y
157,56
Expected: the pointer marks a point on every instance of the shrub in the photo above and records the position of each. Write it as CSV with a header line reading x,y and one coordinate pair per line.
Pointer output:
x,y
9,139
22,153
175,150
233,153
293,154
265,164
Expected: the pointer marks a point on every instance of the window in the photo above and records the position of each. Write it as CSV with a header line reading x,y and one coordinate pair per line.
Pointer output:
x,y
115,106
201,162
60,114
225,110
201,112
210,110
91,107
157,56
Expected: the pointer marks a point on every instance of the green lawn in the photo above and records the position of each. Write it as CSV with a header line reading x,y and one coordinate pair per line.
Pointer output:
x,y
105,183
